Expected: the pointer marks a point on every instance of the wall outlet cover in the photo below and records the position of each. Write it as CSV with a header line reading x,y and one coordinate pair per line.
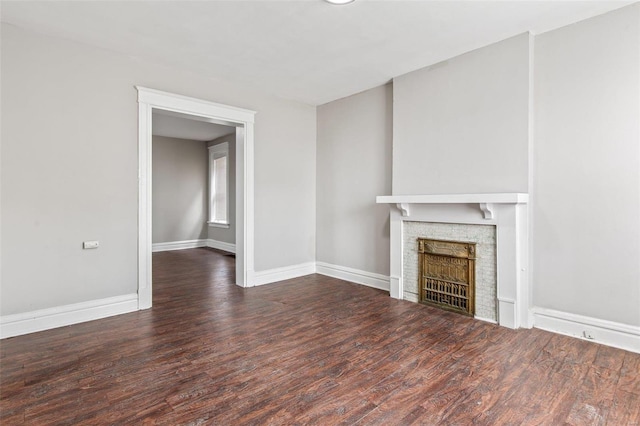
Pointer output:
x,y
90,245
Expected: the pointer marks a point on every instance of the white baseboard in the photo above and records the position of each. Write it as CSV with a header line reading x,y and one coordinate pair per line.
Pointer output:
x,y
286,273
608,333
178,245
221,245
357,276
60,316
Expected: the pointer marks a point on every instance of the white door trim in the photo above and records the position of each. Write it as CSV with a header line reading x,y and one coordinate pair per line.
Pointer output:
x,y
243,119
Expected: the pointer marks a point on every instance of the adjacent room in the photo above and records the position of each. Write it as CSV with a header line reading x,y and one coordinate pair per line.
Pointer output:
x,y
320,212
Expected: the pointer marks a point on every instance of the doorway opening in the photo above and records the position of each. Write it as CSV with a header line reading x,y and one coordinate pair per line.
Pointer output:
x,y
152,101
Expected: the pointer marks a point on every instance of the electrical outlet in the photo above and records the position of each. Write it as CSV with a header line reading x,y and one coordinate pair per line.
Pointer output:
x,y
90,245
588,335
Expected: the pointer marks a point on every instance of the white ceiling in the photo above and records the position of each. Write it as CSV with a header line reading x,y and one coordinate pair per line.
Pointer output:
x,y
173,126
305,50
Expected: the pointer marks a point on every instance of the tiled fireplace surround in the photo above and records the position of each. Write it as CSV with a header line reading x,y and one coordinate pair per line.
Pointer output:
x,y
503,293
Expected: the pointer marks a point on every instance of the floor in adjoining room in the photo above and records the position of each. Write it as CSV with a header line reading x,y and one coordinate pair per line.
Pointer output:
x,y
312,350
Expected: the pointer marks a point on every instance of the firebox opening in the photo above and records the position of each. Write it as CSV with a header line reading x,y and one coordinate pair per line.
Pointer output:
x,y
447,274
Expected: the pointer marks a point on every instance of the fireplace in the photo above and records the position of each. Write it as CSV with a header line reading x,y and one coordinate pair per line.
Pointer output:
x,y
496,223
483,237
447,272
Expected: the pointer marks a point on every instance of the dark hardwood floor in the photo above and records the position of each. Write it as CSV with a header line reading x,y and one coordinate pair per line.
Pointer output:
x,y
313,350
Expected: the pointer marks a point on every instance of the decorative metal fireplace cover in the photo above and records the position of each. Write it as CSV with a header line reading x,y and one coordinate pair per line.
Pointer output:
x,y
447,274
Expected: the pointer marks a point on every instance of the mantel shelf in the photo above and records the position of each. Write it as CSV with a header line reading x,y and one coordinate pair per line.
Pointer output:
x,y
498,198
485,201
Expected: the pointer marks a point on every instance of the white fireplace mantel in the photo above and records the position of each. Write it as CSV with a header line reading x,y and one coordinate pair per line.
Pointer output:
x,y
485,202
507,211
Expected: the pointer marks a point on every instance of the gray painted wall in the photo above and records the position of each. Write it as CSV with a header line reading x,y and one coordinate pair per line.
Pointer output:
x,y
180,184
227,235
353,167
586,199
461,126
70,169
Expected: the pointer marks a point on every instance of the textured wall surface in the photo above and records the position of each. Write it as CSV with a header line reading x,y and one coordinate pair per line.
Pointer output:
x,y
179,190
586,189
353,167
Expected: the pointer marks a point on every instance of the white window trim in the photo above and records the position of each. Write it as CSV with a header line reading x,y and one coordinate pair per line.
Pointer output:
x,y
218,151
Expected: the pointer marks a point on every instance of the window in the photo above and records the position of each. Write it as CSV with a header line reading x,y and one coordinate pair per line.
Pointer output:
x,y
219,185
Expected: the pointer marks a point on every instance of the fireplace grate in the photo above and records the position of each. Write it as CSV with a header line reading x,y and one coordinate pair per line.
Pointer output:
x,y
447,274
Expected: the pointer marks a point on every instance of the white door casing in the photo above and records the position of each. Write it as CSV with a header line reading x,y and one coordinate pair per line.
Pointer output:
x,y
243,120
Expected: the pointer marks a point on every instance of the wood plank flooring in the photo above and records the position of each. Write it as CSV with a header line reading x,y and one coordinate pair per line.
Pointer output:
x,y
313,350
